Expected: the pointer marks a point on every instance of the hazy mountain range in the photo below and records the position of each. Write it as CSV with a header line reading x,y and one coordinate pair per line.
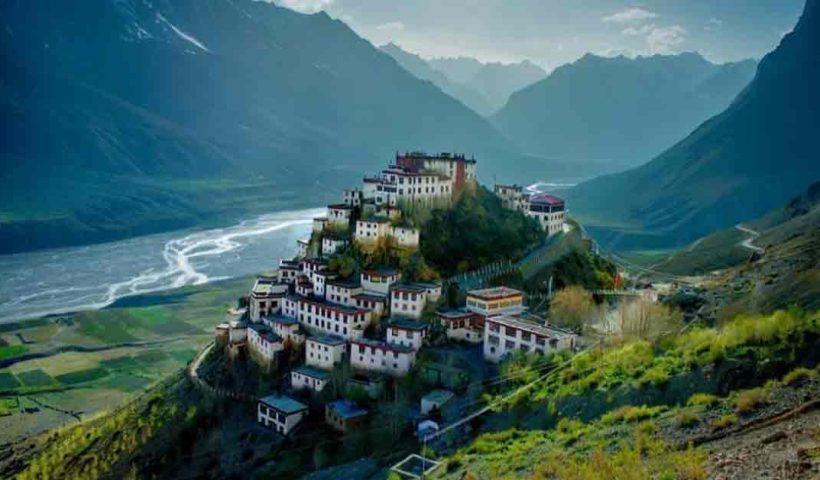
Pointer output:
x,y
117,113
484,87
620,110
123,117
754,156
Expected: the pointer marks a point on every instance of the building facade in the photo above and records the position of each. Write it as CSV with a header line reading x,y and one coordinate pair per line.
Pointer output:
x,y
324,352
307,378
495,301
406,332
549,211
506,333
280,413
266,297
381,357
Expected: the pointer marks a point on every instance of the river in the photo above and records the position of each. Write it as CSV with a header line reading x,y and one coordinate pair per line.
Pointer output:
x,y
91,277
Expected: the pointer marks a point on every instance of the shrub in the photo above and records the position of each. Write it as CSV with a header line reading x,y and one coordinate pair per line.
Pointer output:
x,y
798,375
723,422
703,399
749,400
631,414
685,418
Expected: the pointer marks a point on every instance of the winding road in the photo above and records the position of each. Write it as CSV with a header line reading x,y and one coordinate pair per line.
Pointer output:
x,y
752,237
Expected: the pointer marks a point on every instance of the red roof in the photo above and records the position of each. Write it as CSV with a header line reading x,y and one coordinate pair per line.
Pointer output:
x,y
546,199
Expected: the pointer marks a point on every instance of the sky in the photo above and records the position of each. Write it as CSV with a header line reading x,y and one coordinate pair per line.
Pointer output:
x,y
553,32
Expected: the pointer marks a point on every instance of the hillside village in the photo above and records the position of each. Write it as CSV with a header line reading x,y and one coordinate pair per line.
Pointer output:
x,y
308,320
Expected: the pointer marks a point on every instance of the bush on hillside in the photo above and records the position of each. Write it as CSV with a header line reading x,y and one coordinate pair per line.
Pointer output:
x,y
475,231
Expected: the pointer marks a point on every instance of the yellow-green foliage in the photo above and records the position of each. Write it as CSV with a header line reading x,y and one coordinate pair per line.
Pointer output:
x,y
534,454
798,375
703,399
748,400
90,449
685,418
640,364
725,421
631,414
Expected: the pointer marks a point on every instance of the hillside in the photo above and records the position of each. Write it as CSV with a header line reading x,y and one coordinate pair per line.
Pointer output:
x,y
751,158
725,248
620,110
158,115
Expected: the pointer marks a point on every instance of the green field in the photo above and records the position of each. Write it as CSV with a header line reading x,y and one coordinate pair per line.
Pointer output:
x,y
174,325
36,378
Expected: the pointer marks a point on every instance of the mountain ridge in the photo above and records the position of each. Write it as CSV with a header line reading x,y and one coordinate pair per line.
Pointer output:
x,y
619,109
166,93
748,159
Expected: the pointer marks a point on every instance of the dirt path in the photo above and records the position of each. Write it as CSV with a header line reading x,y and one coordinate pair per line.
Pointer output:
x,y
752,237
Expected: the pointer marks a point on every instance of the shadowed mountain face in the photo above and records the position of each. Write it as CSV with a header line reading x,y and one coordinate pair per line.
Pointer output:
x,y
620,110
754,156
111,107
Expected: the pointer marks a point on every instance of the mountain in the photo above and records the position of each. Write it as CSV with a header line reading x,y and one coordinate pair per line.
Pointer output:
x,y
495,81
756,155
122,117
618,109
421,69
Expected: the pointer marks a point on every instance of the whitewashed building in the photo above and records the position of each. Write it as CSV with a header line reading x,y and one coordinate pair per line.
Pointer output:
x,y
289,271
408,300
280,413
549,210
338,215
379,280
406,332
341,292
513,197
370,231
506,333
305,377
462,325
327,318
238,331
375,302
287,328
320,281
266,297
381,357
264,342
331,246
324,352
495,301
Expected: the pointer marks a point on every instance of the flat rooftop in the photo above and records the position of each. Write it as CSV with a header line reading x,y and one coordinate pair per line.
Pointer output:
x,y
521,323
283,404
312,372
495,293
406,324
330,340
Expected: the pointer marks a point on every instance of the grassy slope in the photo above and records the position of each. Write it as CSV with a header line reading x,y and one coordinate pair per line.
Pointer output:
x,y
176,323
580,422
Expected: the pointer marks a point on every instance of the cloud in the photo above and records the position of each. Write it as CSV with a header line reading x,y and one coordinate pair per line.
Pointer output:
x,y
306,6
390,27
630,15
638,31
665,39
